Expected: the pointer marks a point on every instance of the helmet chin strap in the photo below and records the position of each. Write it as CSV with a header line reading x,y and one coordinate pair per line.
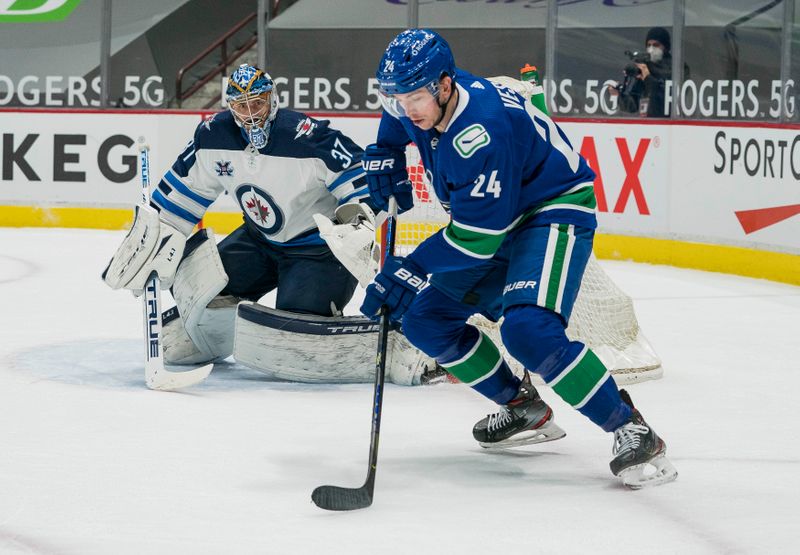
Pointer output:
x,y
443,108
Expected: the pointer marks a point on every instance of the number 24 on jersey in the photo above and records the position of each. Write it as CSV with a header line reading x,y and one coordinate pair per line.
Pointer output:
x,y
482,187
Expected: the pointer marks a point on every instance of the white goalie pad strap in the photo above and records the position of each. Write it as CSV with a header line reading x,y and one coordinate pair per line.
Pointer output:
x,y
525,88
150,246
352,243
320,349
199,280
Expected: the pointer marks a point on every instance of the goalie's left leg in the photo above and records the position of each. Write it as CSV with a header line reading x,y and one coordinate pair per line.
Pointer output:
x,y
322,349
640,455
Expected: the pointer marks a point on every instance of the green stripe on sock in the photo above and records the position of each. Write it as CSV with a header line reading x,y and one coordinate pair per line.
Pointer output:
x,y
479,363
577,384
558,267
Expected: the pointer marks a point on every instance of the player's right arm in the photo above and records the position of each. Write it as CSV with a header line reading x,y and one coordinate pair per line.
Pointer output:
x,y
187,189
156,241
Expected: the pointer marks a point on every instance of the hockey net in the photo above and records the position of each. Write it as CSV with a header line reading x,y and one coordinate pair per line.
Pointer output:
x,y
603,316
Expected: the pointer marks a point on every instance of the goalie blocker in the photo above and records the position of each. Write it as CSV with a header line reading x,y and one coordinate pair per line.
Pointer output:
x,y
321,349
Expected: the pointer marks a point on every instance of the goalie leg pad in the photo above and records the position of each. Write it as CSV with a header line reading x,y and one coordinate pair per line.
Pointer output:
x,y
206,319
215,327
321,349
178,346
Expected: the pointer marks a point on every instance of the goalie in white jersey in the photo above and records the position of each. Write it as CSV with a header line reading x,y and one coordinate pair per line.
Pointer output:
x,y
282,167
522,209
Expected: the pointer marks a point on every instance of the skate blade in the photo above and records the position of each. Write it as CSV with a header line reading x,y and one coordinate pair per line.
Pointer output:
x,y
655,472
548,432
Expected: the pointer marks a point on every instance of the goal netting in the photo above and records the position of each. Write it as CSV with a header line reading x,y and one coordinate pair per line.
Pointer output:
x,y
603,316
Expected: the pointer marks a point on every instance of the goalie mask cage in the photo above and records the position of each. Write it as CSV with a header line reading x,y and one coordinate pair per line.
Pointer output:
x,y
603,317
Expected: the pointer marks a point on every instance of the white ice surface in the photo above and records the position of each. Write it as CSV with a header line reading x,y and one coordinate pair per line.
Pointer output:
x,y
93,462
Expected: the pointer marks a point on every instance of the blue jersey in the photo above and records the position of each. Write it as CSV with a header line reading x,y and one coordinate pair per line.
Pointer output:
x,y
305,167
501,162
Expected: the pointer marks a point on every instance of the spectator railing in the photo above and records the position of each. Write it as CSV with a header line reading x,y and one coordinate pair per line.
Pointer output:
x,y
219,69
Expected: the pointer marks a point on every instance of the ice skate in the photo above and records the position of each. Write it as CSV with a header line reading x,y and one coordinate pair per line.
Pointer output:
x,y
524,420
639,454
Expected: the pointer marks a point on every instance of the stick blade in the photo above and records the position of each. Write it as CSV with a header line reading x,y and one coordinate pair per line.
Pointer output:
x,y
335,498
162,379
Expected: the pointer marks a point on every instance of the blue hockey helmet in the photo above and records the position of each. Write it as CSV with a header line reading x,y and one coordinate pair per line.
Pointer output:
x,y
253,101
415,58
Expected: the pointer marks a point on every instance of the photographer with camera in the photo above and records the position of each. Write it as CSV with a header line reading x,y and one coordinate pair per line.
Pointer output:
x,y
642,89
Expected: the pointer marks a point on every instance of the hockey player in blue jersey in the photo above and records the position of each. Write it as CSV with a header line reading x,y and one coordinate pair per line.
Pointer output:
x,y
522,209
282,168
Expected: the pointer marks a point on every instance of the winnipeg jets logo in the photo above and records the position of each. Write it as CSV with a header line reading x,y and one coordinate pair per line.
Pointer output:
x,y
259,212
305,127
224,168
260,208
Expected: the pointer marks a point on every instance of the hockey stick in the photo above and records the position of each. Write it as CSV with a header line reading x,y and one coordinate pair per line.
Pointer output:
x,y
155,375
336,498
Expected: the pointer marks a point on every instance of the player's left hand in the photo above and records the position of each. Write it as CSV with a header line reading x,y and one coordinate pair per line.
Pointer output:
x,y
395,286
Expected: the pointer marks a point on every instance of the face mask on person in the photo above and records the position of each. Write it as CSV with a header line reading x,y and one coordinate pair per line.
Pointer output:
x,y
656,54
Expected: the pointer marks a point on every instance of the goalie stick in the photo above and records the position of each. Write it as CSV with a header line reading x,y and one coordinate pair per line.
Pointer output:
x,y
155,375
336,498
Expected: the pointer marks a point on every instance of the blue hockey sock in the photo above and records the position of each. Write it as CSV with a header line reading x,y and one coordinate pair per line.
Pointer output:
x,y
479,364
569,367
586,384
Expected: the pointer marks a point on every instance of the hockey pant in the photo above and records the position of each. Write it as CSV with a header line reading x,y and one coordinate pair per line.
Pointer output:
x,y
309,278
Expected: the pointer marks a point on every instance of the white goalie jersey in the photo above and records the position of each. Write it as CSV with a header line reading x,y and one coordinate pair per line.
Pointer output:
x,y
305,168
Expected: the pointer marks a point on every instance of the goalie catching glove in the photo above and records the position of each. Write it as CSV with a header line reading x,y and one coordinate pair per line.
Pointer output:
x,y
353,240
150,246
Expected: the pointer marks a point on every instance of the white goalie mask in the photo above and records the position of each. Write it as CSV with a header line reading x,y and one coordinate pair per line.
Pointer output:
x,y
253,101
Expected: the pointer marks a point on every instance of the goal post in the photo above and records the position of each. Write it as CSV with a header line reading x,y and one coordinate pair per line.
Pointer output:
x,y
603,316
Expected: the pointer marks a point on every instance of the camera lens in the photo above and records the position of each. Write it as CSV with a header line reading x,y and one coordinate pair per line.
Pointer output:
x,y
632,70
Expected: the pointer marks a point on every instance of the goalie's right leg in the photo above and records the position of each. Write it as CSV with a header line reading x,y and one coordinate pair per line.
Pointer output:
x,y
200,328
214,330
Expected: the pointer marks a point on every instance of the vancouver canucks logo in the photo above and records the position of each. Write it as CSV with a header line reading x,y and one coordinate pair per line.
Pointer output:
x,y
224,168
260,208
471,139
